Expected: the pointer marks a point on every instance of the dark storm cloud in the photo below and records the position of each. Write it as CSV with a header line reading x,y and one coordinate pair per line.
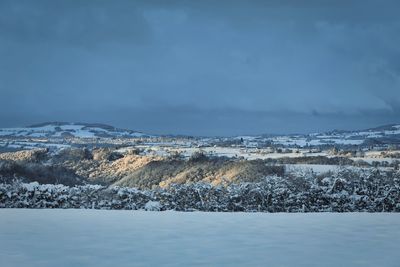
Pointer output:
x,y
201,67
72,22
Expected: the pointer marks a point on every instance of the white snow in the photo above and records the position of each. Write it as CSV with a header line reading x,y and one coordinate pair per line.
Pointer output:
x,y
152,206
125,238
231,152
316,168
315,141
35,134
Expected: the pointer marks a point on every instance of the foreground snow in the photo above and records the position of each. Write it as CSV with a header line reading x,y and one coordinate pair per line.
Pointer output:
x,y
126,238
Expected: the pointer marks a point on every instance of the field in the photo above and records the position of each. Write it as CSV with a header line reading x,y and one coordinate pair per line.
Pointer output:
x,y
70,165
126,238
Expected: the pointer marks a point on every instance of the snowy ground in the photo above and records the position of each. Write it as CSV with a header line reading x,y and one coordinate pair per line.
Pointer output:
x,y
316,168
125,238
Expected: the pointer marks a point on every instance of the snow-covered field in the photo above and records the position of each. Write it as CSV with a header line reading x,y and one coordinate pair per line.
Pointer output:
x,y
125,238
316,168
60,133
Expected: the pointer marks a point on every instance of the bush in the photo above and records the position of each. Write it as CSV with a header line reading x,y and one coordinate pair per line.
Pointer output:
x,y
198,156
45,174
347,191
73,154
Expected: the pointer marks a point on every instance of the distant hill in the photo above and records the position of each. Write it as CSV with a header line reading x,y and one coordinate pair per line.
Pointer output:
x,y
382,135
388,127
66,129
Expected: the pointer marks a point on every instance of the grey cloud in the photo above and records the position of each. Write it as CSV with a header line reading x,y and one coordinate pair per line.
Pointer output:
x,y
78,23
201,66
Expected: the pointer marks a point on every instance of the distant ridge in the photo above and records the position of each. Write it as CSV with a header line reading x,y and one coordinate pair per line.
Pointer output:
x,y
60,123
387,127
57,129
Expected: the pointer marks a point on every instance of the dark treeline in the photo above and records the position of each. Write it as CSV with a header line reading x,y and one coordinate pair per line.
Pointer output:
x,y
346,191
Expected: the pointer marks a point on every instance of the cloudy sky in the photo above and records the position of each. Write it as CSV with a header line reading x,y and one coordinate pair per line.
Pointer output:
x,y
201,67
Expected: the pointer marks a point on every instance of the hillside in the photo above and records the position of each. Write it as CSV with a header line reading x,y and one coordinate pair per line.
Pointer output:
x,y
68,130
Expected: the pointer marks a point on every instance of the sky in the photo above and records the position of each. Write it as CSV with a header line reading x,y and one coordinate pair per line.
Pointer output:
x,y
201,67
